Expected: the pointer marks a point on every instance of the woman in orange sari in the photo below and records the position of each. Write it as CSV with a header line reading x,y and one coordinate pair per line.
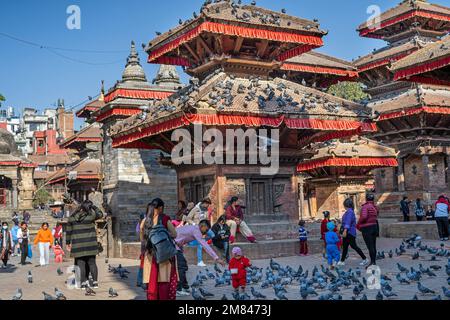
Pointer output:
x,y
161,278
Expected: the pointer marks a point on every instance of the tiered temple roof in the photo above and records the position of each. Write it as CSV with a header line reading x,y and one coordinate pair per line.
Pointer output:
x,y
409,18
429,65
240,37
133,91
90,133
358,155
317,69
227,100
233,50
86,170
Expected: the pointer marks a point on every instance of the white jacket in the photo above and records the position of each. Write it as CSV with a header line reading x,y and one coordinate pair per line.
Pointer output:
x,y
21,236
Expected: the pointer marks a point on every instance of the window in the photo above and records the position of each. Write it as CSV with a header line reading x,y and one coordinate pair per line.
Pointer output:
x,y
40,143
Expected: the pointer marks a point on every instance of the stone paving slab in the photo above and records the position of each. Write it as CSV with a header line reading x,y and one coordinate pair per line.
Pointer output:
x,y
46,278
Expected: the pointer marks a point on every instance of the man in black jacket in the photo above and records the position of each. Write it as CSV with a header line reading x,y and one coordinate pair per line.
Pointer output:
x,y
222,236
404,208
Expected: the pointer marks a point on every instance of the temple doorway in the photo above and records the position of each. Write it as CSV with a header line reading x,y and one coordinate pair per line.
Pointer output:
x,y
5,191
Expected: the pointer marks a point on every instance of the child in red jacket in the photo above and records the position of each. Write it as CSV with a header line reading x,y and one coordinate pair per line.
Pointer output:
x,y
238,265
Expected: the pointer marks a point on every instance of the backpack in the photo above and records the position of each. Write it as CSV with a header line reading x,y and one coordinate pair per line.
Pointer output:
x,y
160,242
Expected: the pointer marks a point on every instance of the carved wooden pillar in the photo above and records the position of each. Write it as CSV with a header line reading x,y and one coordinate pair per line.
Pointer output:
x,y
15,195
401,175
426,172
301,201
448,169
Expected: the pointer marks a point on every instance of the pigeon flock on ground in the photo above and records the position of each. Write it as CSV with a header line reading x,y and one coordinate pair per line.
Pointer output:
x,y
59,295
319,283
322,283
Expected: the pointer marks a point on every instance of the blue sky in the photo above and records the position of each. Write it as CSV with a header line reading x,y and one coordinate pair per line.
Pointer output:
x,y
30,76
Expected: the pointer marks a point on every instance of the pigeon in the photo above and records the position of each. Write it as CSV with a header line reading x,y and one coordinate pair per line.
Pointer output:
x,y
18,295
196,295
390,254
256,294
112,293
326,296
30,277
217,269
356,291
205,293
423,289
274,265
401,279
219,282
59,295
235,295
224,297
437,298
388,293
59,272
446,292
435,267
379,296
416,255
363,297
401,268
280,295
47,296
89,292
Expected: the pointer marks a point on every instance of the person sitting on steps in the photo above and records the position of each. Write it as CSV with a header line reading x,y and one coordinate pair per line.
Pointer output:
x,y
235,219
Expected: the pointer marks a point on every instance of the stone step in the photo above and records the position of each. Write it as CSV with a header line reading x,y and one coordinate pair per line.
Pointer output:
x,y
426,229
266,218
260,250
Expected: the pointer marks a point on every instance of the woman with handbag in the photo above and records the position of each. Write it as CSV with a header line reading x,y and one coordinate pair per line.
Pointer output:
x,y
161,276
348,232
368,225
23,235
5,244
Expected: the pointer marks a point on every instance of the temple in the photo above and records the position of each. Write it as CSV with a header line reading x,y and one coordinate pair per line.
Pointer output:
x,y
133,176
16,175
239,56
412,113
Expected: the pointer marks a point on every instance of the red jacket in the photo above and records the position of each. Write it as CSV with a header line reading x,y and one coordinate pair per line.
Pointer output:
x,y
231,213
368,216
240,265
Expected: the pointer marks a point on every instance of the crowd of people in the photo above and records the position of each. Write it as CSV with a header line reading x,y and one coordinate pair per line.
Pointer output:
x,y
439,212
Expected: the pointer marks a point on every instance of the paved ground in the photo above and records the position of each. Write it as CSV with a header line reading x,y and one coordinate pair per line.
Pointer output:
x,y
46,278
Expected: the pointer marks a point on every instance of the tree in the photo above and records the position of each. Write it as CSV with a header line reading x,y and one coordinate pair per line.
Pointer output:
x,y
42,196
2,98
352,91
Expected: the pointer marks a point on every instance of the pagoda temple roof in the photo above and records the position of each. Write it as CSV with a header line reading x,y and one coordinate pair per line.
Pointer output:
x,y
432,57
359,152
134,91
247,21
407,9
423,98
315,62
87,169
50,159
388,54
91,133
89,108
223,99
15,161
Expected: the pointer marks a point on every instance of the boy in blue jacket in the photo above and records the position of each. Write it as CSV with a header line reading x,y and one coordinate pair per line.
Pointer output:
x,y
332,239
